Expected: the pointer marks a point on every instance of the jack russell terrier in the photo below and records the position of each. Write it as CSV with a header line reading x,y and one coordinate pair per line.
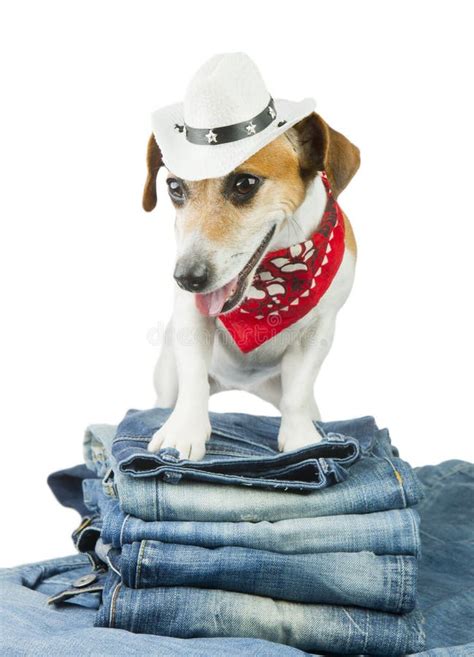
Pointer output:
x,y
265,255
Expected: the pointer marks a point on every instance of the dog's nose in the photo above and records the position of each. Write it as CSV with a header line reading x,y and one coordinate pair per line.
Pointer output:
x,y
193,278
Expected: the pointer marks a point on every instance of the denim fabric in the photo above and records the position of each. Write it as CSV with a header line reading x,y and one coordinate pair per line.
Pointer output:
x,y
334,579
67,487
242,450
29,627
378,481
446,573
286,569
375,484
330,576
382,481
196,612
97,448
387,532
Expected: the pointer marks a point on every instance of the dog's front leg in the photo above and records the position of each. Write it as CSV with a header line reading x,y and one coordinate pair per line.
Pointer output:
x,y
187,428
299,368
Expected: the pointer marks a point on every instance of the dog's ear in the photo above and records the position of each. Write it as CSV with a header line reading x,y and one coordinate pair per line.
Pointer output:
x,y
154,161
321,148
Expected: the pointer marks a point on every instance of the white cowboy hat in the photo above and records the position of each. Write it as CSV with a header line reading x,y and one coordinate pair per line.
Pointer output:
x,y
227,116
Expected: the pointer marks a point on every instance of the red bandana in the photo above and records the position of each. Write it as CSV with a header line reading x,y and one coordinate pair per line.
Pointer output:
x,y
289,282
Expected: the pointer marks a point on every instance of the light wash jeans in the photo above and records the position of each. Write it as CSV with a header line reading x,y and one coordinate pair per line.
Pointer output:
x,y
385,532
30,627
168,574
336,572
363,579
199,612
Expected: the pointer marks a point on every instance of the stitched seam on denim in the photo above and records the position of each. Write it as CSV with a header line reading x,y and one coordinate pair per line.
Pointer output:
x,y
416,533
113,602
387,592
72,593
199,475
112,567
122,529
260,482
413,583
192,473
394,582
400,485
156,502
402,586
91,560
139,564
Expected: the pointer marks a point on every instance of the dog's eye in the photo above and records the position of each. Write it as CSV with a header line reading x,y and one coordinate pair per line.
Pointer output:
x,y
175,189
245,184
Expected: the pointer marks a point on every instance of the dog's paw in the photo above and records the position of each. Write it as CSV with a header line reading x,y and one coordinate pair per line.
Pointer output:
x,y
186,436
297,432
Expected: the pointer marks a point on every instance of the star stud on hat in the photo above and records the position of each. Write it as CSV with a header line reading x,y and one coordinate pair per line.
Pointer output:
x,y
211,137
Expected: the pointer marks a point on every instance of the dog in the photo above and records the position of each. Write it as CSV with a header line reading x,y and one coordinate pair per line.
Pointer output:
x,y
226,227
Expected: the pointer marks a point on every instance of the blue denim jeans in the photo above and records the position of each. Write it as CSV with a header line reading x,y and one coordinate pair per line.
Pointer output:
x,y
334,571
288,570
242,450
446,573
266,584
333,579
199,612
386,532
378,481
31,627
316,560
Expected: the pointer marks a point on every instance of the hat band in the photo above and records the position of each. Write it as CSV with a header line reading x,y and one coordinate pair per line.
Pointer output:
x,y
234,132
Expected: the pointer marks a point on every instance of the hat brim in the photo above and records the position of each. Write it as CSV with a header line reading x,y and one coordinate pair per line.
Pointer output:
x,y
197,162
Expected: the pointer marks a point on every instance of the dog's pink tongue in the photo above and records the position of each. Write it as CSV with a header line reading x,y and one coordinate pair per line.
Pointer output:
x,y
212,303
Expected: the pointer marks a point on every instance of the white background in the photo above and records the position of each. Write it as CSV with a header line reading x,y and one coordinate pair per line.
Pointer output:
x,y
86,274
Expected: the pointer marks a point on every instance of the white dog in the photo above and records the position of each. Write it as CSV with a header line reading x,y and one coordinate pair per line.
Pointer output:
x,y
265,258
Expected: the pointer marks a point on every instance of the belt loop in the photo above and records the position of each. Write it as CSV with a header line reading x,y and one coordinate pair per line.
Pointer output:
x,y
108,483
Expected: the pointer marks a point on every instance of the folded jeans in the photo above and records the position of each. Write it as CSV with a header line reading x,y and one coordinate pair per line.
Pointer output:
x,y
242,450
378,481
384,532
195,612
333,579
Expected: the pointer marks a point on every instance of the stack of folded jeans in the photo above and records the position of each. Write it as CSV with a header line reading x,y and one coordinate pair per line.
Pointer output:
x,y
316,548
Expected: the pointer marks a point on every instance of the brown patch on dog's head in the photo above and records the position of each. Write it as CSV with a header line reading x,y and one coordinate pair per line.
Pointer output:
x,y
321,148
154,161
278,161
222,217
